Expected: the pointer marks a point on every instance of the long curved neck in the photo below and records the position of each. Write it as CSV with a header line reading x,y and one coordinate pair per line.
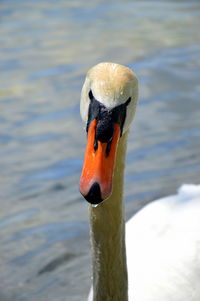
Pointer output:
x,y
108,239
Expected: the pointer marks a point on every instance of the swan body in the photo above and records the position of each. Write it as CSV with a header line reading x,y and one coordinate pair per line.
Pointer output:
x,y
162,251
163,248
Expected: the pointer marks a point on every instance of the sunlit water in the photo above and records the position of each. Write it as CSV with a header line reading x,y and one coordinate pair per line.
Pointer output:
x,y
46,48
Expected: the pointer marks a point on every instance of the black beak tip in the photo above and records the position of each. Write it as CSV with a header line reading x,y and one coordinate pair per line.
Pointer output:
x,y
94,195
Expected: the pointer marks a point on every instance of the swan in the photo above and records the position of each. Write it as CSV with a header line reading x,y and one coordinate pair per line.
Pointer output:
x,y
161,257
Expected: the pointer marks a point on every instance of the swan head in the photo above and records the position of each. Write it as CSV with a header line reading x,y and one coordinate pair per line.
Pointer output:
x,y
108,103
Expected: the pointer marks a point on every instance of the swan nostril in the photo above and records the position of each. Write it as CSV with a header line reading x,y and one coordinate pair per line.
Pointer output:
x,y
94,194
95,144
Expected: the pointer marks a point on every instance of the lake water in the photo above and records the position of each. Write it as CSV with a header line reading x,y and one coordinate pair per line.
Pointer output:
x,y
46,49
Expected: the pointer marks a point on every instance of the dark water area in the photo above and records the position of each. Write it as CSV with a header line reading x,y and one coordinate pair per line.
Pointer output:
x,y
46,49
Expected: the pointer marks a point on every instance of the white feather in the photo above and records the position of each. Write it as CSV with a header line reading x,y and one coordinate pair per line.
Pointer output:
x,y
163,249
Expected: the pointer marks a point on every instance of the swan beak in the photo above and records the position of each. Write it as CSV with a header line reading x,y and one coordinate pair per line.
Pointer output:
x,y
98,166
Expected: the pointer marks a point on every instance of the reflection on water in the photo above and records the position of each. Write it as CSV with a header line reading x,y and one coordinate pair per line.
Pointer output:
x,y
46,48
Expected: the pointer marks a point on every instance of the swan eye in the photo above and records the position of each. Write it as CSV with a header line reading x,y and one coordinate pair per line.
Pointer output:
x,y
128,101
90,95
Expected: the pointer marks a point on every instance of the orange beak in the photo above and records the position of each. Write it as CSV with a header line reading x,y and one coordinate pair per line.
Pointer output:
x,y
98,166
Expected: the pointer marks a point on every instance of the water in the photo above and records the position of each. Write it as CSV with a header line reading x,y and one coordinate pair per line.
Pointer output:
x,y
46,48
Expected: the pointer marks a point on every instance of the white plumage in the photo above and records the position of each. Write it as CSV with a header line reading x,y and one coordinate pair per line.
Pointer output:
x,y
163,248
